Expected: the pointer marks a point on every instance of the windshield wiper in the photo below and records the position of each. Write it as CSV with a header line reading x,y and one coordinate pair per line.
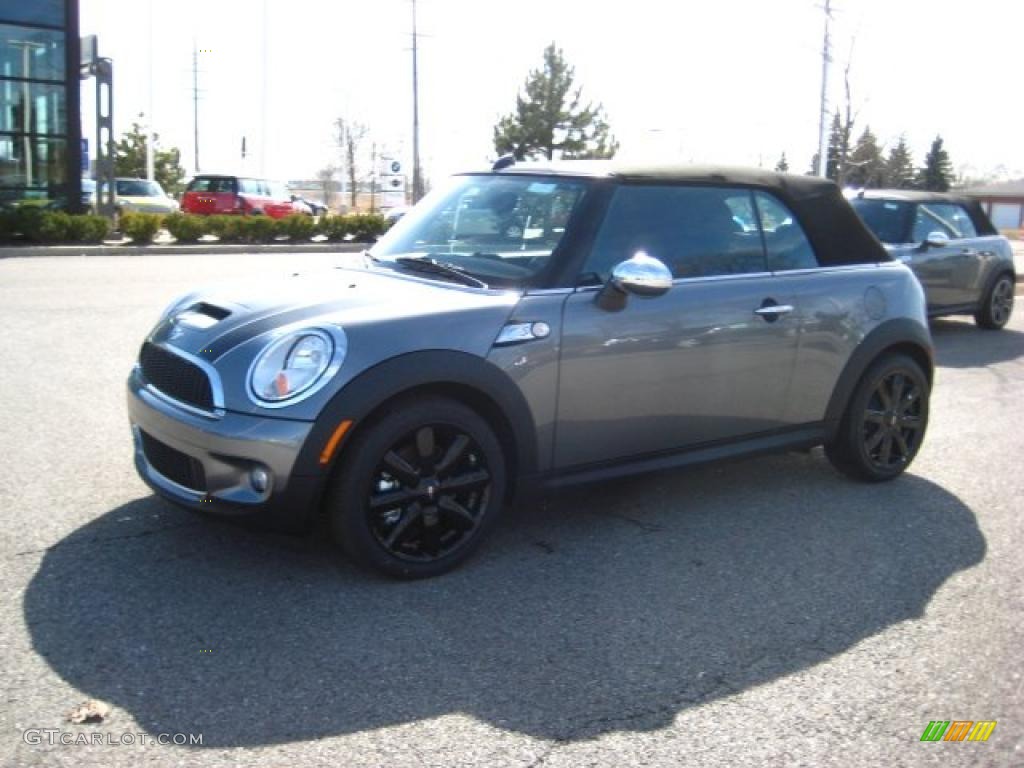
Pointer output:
x,y
427,264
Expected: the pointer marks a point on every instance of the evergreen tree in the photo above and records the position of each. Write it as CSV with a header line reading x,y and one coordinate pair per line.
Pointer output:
x,y
937,173
130,160
899,166
866,165
838,152
550,119
783,165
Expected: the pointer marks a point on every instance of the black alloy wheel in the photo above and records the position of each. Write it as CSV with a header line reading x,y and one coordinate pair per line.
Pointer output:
x,y
428,494
892,426
885,421
998,304
418,488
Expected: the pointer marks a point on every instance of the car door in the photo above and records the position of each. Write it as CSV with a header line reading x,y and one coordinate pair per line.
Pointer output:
x,y
710,360
948,265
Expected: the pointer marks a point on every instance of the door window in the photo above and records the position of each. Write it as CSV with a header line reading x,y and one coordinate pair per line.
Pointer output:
x,y
948,218
694,231
786,244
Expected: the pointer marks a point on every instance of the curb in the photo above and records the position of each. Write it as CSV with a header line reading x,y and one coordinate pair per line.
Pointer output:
x,y
32,251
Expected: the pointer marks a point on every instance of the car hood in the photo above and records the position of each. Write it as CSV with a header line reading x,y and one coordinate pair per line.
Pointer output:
x,y
383,314
148,203
221,317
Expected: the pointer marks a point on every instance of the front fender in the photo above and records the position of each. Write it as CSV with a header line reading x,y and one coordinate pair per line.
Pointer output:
x,y
456,372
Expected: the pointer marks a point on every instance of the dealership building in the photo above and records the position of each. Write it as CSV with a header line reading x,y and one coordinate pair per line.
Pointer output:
x,y
40,126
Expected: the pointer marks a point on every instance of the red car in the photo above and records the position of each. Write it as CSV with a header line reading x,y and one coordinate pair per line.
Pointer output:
x,y
209,194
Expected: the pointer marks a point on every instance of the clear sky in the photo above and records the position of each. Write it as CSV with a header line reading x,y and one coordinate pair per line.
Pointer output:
x,y
724,81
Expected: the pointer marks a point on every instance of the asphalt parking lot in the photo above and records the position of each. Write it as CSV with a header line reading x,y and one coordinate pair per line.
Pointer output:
x,y
766,612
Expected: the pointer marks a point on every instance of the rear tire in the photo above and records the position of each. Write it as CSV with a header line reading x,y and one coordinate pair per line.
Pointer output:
x,y
419,489
884,423
997,306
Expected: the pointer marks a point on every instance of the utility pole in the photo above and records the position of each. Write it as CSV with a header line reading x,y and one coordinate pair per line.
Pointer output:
x,y
417,175
195,101
823,118
373,177
150,169
264,139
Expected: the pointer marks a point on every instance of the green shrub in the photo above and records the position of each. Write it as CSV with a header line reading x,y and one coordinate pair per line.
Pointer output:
x,y
28,221
53,227
88,229
140,227
333,227
223,227
297,226
186,228
7,228
258,229
367,227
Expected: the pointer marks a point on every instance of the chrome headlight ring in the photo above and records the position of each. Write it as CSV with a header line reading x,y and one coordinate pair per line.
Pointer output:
x,y
294,364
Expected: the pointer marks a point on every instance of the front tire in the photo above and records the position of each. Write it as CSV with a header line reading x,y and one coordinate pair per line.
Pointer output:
x,y
997,306
419,489
885,421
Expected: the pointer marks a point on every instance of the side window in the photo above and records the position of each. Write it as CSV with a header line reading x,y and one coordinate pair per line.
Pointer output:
x,y
695,231
786,244
248,187
950,218
962,222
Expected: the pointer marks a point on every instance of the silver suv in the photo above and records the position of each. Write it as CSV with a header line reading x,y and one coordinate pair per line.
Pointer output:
x,y
536,326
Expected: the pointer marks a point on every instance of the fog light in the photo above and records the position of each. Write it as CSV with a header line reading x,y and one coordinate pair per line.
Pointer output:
x,y
259,479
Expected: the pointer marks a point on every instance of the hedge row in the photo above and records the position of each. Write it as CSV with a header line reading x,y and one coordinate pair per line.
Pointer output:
x,y
186,228
39,226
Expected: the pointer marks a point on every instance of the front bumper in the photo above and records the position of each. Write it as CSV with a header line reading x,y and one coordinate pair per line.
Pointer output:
x,y
207,463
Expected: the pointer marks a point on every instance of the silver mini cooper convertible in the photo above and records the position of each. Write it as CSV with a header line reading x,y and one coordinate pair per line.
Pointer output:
x,y
534,326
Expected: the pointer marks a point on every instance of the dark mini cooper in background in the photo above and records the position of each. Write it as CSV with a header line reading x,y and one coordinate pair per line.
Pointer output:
x,y
535,326
964,264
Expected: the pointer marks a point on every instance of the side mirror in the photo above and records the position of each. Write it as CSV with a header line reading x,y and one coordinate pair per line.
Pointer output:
x,y
642,275
936,239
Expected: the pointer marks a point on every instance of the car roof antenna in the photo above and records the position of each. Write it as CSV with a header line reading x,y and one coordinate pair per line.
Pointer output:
x,y
504,162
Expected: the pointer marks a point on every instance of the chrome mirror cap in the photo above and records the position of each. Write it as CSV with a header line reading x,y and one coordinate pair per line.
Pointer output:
x,y
937,239
642,275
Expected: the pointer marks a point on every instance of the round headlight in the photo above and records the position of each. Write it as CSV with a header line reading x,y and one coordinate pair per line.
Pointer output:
x,y
291,365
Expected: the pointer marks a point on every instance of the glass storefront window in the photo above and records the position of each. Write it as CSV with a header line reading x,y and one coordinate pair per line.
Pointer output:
x,y
34,12
32,53
32,162
46,108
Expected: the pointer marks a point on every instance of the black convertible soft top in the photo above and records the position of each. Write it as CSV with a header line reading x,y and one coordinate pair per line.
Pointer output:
x,y
979,218
834,228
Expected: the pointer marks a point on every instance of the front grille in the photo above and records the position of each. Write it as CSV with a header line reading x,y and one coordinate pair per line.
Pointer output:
x,y
173,464
176,377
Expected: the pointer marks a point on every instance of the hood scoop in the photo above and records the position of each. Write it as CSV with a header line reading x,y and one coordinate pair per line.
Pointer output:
x,y
201,315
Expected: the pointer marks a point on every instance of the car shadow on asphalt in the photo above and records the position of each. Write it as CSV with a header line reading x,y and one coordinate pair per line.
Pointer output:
x,y
962,344
600,609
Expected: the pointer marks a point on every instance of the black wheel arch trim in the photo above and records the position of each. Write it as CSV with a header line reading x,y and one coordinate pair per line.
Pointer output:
x,y
895,334
406,373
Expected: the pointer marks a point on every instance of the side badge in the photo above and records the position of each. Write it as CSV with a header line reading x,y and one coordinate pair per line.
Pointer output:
x,y
517,333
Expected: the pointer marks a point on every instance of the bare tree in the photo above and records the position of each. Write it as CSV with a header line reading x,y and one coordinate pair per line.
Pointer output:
x,y
326,178
349,135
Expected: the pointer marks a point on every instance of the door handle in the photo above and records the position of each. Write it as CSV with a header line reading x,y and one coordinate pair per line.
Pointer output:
x,y
774,311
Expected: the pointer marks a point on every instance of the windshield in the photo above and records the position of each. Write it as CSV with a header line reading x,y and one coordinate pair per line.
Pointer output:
x,y
888,219
500,229
138,188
